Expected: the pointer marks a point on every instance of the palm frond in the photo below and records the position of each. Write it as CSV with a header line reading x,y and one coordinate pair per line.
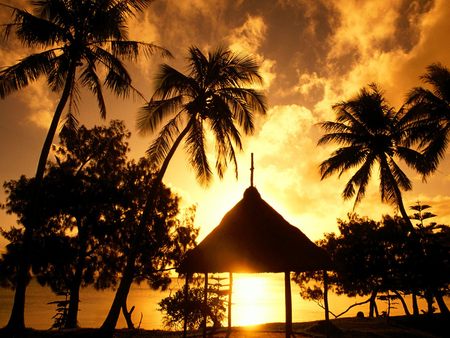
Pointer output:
x,y
403,182
341,160
360,180
415,159
196,148
439,77
341,139
117,78
170,82
160,147
245,103
90,79
33,30
27,70
155,112
59,66
131,50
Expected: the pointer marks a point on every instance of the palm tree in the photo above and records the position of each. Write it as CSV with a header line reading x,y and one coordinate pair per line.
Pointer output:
x,y
213,94
429,113
76,38
371,133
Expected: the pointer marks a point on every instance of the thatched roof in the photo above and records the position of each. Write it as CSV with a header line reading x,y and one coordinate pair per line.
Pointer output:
x,y
253,237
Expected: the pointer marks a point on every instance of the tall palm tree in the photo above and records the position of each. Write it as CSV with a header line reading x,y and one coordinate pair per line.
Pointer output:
x,y
74,38
429,113
214,94
371,132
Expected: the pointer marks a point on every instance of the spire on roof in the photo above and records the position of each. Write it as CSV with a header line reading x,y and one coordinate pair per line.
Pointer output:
x,y
252,168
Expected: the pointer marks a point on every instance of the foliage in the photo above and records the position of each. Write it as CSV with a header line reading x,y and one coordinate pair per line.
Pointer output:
x,y
216,93
372,258
94,198
371,132
62,310
429,113
175,307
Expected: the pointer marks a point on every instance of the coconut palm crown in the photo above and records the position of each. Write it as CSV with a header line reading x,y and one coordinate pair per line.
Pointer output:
x,y
73,40
429,113
371,132
215,94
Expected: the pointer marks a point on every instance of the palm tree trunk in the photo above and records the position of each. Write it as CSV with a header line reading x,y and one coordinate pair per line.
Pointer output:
x,y
17,317
120,298
402,209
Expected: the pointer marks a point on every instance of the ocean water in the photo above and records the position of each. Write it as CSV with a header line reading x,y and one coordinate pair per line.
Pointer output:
x,y
256,299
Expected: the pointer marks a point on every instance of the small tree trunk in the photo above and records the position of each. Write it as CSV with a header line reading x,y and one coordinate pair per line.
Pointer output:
x,y
430,301
415,304
402,300
186,300
74,300
127,315
441,303
373,305
120,297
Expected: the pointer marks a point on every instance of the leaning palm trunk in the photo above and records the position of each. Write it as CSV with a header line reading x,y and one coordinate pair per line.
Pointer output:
x,y
17,318
129,272
402,209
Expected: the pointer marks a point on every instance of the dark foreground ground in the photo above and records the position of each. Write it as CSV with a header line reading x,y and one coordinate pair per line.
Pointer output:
x,y
398,327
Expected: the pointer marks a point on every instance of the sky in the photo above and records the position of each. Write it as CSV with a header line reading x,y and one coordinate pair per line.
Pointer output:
x,y
313,54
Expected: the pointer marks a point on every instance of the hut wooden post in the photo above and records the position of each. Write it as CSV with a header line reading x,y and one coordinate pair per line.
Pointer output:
x,y
325,296
287,287
186,299
230,293
205,305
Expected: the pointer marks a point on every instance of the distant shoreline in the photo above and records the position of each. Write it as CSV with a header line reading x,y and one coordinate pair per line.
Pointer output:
x,y
436,325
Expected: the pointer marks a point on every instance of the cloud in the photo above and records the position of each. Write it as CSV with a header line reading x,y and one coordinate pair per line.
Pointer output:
x,y
247,39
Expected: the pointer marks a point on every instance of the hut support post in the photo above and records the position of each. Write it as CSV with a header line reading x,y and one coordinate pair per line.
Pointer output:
x,y
287,287
205,305
325,295
230,293
186,299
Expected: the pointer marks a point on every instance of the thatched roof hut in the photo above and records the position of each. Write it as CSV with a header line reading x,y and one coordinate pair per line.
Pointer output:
x,y
253,237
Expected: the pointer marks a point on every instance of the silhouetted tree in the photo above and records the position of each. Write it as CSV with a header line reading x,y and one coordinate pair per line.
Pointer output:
x,y
215,94
377,258
429,113
174,307
95,199
371,132
75,38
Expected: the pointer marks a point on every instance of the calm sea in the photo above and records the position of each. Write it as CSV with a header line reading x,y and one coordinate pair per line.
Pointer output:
x,y
267,306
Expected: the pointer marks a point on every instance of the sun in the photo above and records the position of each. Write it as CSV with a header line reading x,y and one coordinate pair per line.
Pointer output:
x,y
249,292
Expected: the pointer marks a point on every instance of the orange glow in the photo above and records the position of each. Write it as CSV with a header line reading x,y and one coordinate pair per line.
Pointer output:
x,y
249,292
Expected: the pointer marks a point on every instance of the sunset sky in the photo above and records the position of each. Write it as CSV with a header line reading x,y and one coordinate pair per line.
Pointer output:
x,y
312,54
